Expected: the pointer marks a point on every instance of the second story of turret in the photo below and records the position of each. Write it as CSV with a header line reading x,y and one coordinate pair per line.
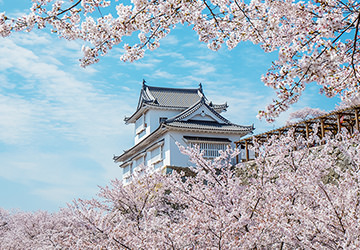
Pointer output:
x,y
157,104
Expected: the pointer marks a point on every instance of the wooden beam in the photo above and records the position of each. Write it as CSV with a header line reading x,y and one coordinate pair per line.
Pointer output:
x,y
322,124
338,122
246,150
357,119
344,113
307,130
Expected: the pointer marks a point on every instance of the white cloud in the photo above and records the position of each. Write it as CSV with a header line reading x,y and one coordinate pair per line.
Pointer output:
x,y
161,74
190,81
52,106
170,40
205,69
17,119
147,62
188,63
209,56
167,53
31,38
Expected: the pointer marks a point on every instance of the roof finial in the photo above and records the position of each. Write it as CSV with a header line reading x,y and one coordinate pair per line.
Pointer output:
x,y
200,87
144,83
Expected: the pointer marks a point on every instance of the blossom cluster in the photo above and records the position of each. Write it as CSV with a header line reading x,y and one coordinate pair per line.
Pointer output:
x,y
291,196
304,114
317,40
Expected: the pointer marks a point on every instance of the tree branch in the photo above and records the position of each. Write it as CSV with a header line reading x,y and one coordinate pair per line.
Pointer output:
x,y
354,50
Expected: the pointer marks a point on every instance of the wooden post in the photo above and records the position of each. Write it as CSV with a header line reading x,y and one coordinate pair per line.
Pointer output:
x,y
338,123
322,126
307,130
357,119
246,150
322,122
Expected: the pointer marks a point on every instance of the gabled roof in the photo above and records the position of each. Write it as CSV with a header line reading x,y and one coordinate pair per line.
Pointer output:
x,y
216,122
170,98
186,114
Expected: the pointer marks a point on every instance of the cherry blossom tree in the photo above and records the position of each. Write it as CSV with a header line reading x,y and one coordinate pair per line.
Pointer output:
x,y
291,196
317,40
350,102
304,114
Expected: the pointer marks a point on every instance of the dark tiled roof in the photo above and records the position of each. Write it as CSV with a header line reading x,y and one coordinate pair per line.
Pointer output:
x,y
174,98
171,97
206,125
210,139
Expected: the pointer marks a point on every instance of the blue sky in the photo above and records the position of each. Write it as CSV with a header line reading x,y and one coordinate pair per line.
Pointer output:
x,y
60,124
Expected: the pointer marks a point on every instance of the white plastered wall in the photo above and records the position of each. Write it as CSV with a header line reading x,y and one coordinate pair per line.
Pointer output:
x,y
177,158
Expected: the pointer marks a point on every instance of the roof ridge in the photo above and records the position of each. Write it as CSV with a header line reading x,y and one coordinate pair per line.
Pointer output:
x,y
169,88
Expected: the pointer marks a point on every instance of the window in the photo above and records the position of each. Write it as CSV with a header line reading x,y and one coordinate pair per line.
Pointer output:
x,y
139,161
126,169
211,150
157,157
157,154
140,124
127,172
209,145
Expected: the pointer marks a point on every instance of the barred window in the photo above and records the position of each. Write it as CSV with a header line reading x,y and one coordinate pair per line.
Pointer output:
x,y
211,150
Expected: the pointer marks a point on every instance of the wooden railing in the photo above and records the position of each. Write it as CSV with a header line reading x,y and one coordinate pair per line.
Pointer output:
x,y
332,122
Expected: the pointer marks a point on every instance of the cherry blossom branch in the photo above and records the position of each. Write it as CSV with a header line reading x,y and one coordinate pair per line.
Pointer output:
x,y
355,43
332,205
249,20
121,244
68,9
213,15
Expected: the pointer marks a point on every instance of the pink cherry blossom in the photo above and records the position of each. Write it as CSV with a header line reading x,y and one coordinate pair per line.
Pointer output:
x,y
317,40
291,196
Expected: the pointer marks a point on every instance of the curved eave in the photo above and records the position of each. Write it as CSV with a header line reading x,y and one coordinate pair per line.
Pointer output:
x,y
219,107
136,115
141,145
141,153
147,106
241,130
